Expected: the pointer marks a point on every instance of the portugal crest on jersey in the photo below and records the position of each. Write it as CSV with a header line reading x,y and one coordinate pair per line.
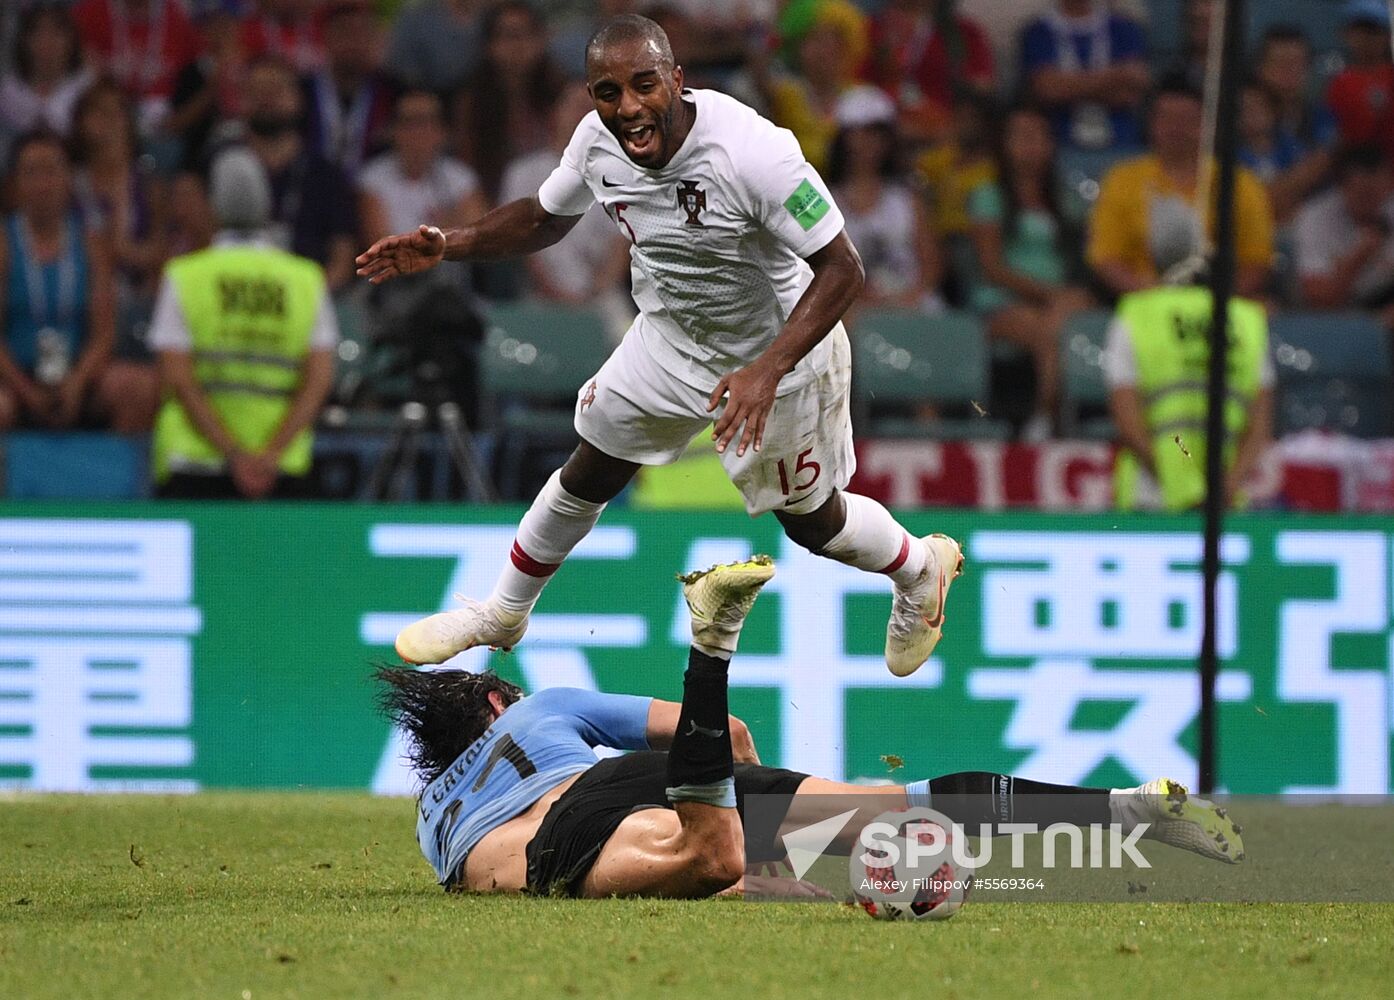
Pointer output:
x,y
693,201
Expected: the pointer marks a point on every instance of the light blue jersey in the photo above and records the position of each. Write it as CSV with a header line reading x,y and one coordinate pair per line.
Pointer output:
x,y
535,745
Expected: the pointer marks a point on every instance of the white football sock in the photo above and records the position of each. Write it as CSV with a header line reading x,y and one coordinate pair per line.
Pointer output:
x,y
871,539
553,526
1126,807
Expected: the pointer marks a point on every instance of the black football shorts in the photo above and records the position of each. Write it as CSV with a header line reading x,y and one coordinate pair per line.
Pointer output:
x,y
579,823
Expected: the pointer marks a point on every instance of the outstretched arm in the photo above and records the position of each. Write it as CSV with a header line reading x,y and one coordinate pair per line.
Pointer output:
x,y
514,230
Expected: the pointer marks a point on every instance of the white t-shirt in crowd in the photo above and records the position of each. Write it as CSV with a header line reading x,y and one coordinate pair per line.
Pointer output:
x,y
574,263
169,328
410,202
719,235
23,109
886,239
1325,232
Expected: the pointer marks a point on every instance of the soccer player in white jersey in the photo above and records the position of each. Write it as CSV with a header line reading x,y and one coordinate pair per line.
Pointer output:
x,y
741,271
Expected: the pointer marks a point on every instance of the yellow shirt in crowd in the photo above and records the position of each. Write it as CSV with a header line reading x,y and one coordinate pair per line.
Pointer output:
x,y
1119,224
950,180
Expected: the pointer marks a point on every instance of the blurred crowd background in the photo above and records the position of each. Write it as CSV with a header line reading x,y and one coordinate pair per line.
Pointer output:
x,y
999,163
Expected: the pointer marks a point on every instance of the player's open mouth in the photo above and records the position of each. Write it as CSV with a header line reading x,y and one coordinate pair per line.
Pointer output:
x,y
640,140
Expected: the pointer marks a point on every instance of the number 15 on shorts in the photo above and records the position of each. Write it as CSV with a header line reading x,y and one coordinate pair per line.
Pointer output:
x,y
802,476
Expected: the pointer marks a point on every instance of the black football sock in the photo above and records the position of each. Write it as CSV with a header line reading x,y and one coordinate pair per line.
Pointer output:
x,y
700,768
973,798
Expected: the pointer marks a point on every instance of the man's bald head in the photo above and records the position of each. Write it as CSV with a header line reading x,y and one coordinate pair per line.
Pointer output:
x,y
628,29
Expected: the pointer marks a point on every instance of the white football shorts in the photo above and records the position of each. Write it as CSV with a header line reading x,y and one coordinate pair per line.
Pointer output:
x,y
635,409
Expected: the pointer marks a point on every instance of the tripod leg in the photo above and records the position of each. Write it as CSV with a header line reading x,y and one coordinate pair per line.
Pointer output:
x,y
466,456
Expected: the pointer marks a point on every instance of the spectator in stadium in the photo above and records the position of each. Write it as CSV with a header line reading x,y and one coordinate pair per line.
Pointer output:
x,y
826,57
311,198
952,170
590,264
349,101
208,102
504,112
1345,237
1197,23
1088,65
1027,258
246,335
56,367
118,195
1270,151
923,53
1284,67
142,45
1167,181
1361,97
885,218
1155,364
415,181
288,29
437,44
48,74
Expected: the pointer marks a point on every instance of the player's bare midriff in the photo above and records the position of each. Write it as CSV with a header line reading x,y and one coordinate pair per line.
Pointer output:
x,y
499,862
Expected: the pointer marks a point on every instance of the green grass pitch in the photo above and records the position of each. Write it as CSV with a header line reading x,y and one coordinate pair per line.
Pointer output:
x,y
258,896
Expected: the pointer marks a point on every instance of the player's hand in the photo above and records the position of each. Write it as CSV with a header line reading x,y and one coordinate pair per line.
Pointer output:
x,y
750,395
254,475
67,402
767,882
409,253
37,400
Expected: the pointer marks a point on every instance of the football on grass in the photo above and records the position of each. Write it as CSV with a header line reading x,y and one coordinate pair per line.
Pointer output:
x,y
907,870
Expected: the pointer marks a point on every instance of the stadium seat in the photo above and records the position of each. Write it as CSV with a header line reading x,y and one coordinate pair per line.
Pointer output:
x,y
535,358
1082,372
51,465
1333,373
904,359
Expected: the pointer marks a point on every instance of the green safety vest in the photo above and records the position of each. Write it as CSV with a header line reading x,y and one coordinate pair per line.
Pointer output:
x,y
1170,331
251,311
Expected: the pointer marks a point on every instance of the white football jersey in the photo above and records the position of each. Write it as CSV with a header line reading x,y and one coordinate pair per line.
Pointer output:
x,y
718,235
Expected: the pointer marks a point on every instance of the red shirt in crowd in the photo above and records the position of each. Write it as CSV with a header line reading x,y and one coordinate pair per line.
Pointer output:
x,y
142,45
299,40
1362,100
910,60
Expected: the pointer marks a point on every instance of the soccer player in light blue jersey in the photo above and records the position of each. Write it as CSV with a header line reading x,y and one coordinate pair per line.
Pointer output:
x,y
516,800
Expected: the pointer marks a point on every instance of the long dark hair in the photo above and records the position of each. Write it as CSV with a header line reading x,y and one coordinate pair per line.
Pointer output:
x,y
1006,175
888,169
442,711
487,107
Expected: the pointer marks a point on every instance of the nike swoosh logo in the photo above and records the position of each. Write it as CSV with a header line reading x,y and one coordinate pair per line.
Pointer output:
x,y
607,182
715,734
938,620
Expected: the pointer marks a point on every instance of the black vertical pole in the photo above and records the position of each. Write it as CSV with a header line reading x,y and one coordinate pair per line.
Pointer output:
x,y
1222,289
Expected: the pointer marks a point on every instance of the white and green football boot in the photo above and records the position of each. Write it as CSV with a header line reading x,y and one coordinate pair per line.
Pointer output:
x,y
1176,817
719,598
